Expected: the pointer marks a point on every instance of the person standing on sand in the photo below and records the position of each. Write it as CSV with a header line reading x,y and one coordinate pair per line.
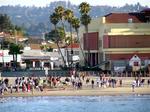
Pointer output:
x,y
120,82
87,81
133,85
17,85
1,87
41,84
148,82
92,82
32,86
11,88
97,82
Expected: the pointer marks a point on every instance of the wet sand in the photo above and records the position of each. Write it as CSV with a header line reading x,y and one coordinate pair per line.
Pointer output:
x,y
83,92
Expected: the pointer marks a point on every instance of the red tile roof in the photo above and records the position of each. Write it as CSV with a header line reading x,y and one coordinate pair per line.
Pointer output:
x,y
74,45
35,46
147,10
123,17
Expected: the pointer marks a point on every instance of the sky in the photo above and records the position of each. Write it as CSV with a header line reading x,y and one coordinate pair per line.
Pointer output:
x,y
42,3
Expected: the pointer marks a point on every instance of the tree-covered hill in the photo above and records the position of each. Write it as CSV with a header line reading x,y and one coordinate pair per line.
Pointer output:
x,y
35,20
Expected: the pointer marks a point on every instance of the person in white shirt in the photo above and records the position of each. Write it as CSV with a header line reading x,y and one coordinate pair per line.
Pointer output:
x,y
133,85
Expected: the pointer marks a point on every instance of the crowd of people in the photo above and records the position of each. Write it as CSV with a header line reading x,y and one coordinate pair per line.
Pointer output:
x,y
138,82
75,81
21,84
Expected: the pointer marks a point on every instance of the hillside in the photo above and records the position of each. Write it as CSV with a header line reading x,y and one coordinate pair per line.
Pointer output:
x,y
35,20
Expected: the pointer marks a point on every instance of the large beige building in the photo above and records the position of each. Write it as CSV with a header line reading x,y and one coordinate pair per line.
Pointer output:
x,y
116,38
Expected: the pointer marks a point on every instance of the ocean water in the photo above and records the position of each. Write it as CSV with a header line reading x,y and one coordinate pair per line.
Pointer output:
x,y
131,103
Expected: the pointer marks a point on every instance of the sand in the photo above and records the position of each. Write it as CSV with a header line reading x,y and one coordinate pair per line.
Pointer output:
x,y
84,92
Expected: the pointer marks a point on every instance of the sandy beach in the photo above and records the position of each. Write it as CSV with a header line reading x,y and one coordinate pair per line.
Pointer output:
x,y
85,91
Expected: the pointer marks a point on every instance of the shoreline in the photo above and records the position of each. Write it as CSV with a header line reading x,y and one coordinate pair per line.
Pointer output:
x,y
88,92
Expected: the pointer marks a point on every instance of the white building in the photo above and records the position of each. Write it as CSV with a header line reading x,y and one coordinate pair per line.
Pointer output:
x,y
33,59
6,58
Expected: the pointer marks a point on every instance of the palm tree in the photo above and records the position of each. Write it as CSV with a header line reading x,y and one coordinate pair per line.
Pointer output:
x,y
68,14
84,8
59,33
85,20
54,19
60,12
14,50
76,25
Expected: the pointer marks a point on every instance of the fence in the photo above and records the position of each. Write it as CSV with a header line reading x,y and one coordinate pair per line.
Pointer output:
x,y
34,73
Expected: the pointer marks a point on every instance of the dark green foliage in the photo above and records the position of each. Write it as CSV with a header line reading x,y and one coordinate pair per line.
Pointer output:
x,y
54,18
60,11
5,44
75,23
46,48
5,23
59,35
85,19
49,49
68,15
84,8
15,49
7,26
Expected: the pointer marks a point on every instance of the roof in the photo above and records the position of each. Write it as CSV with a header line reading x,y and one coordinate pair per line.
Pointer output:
x,y
123,17
74,45
36,57
53,54
39,53
135,58
32,53
146,10
35,46
35,40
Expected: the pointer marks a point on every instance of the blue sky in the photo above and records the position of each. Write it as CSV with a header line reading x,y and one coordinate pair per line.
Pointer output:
x,y
92,2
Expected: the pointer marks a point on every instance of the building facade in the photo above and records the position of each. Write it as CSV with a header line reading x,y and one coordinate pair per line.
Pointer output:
x,y
6,60
31,59
71,53
116,38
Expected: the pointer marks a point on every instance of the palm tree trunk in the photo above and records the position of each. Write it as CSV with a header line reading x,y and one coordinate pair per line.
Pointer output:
x,y
59,49
66,43
87,40
13,60
16,61
80,44
71,44
61,53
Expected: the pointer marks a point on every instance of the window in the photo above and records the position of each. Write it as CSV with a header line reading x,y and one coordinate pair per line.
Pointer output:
x,y
136,63
148,19
130,20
